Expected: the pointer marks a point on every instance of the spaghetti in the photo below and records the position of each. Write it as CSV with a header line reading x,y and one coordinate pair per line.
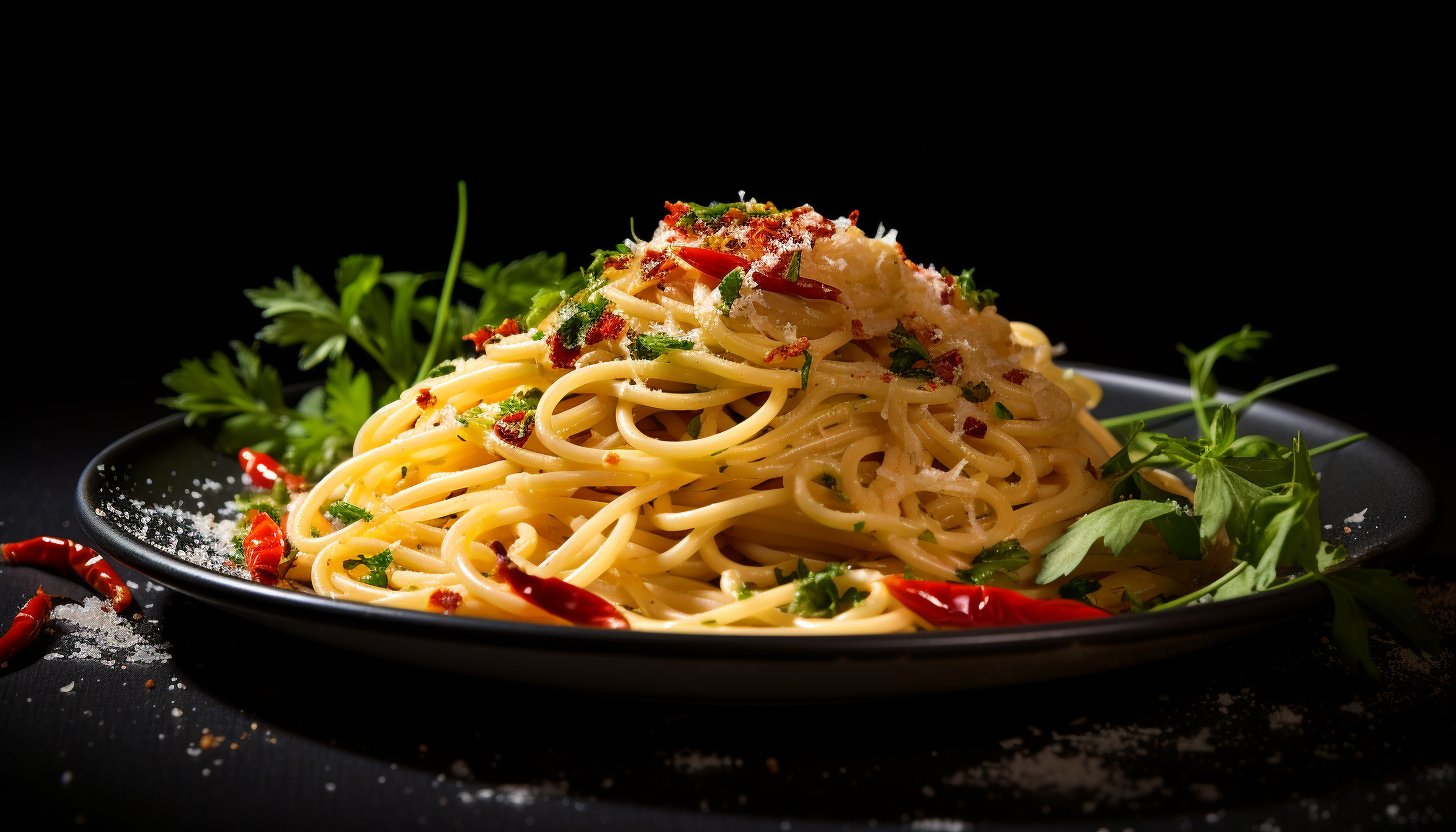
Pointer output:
x,y
743,425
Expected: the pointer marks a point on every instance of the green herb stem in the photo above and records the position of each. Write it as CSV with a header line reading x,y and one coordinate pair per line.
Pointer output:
x,y
443,310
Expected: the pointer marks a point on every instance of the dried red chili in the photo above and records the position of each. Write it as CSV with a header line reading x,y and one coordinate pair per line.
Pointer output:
x,y
655,263
1015,376
60,553
961,606
713,264
425,399
558,597
26,626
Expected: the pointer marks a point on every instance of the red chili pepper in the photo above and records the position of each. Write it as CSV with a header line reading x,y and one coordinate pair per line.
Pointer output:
x,y
714,265
26,626
799,347
1015,376
60,553
854,218
264,470
263,548
425,400
961,606
655,263
558,597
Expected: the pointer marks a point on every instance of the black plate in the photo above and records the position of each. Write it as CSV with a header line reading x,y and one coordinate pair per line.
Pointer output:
x,y
1370,475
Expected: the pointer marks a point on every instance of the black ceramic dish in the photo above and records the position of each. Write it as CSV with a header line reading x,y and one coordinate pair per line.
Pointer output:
x,y
1399,502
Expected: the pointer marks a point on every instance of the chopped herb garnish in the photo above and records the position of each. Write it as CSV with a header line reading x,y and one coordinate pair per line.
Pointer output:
x,y
816,595
909,352
744,593
828,481
348,513
804,371
977,392
792,273
978,299
927,536
443,370
652,345
860,526
1005,558
574,320
1002,412
729,290
695,426
377,564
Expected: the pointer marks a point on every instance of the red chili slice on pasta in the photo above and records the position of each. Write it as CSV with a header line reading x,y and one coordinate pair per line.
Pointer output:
x,y
961,606
558,597
263,548
264,470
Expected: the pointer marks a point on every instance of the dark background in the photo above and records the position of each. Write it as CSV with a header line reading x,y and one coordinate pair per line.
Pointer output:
x,y
1124,198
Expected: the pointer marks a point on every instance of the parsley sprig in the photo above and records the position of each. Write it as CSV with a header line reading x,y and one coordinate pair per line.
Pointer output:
x,y
1262,494
386,319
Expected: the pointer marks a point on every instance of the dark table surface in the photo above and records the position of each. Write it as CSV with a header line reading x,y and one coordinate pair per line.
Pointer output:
x,y
245,726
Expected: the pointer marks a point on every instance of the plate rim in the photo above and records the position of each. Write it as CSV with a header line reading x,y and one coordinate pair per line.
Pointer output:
x,y
226,590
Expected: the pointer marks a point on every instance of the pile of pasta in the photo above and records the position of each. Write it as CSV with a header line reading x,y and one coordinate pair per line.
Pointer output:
x,y
688,485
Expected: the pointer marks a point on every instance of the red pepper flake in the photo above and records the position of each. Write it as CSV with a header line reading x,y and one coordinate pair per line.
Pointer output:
x,y
621,261
612,458
608,327
787,350
425,399
151,684
515,428
974,428
947,366
1015,376
854,218
561,357
887,377
656,264
483,335
446,599
857,329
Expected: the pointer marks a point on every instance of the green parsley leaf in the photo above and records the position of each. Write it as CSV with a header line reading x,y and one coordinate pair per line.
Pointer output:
x,y
509,290
729,290
1002,412
347,513
1114,525
1004,557
744,593
695,426
977,392
908,352
828,481
377,564
928,536
443,370
792,273
816,595
804,371
653,345
978,299
860,526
